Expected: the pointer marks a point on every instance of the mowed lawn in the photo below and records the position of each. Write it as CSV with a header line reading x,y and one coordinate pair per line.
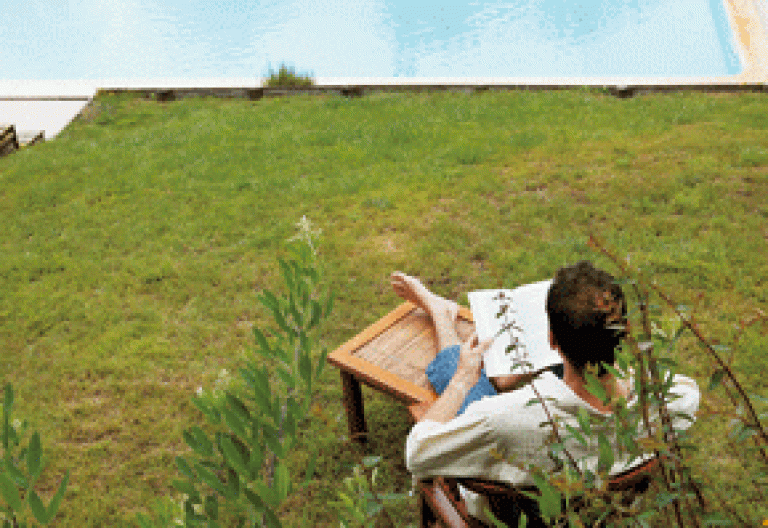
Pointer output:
x,y
134,244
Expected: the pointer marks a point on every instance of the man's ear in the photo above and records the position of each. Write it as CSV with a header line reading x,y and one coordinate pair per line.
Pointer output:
x,y
553,341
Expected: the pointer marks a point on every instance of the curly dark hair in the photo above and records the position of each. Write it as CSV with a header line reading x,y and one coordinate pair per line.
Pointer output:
x,y
587,315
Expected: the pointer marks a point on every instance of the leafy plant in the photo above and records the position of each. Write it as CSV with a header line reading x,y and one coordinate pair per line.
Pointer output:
x,y
576,496
245,463
13,477
287,77
360,505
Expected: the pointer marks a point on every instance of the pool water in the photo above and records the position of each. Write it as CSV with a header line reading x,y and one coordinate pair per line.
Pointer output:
x,y
100,39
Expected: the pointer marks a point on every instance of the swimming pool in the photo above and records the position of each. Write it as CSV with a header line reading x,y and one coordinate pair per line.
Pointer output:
x,y
130,39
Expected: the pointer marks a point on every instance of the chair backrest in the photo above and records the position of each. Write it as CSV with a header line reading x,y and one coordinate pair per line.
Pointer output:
x,y
506,502
633,478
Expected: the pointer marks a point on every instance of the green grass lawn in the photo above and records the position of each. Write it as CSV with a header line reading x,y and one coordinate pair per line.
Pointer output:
x,y
134,244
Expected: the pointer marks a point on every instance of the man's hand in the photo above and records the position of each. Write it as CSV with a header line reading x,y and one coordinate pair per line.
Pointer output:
x,y
466,376
471,359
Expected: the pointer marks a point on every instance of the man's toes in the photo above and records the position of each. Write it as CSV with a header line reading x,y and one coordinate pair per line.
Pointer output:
x,y
397,276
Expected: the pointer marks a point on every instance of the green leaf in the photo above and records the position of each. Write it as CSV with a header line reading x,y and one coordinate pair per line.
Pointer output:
x,y
184,487
264,348
16,474
311,272
628,440
304,287
10,492
254,499
663,499
211,507
595,387
613,370
494,520
549,498
352,508
297,317
329,303
286,376
583,418
272,520
211,413
305,368
238,408
287,273
282,354
143,521
8,399
315,312
262,399
371,461
717,519
576,434
391,497
605,453
714,381
289,424
184,467
267,494
271,439
269,300
744,432
282,482
235,458
234,422
7,432
680,330
33,457
321,363
280,320
36,505
198,441
310,471
532,401
205,444
305,342
189,512
191,441
53,506
208,477
249,377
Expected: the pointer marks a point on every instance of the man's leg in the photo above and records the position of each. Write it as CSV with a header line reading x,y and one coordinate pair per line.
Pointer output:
x,y
442,311
444,314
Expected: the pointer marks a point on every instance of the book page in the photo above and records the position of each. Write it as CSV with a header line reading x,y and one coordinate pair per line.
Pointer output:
x,y
526,313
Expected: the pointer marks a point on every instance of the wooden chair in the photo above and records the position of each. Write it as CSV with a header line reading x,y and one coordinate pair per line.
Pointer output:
x,y
391,356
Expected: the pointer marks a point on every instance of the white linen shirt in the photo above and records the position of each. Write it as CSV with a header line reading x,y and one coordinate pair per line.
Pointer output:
x,y
466,446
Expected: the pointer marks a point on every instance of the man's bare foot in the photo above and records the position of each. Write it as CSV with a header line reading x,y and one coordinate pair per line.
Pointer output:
x,y
411,289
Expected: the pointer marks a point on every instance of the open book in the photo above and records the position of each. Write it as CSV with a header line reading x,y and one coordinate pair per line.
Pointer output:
x,y
526,312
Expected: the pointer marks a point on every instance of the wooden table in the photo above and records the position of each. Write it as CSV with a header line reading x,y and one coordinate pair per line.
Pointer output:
x,y
391,356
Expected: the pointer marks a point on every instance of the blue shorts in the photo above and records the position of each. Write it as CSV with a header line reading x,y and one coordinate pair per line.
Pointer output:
x,y
442,368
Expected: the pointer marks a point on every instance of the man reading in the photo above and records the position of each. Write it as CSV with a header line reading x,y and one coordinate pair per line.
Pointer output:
x,y
476,419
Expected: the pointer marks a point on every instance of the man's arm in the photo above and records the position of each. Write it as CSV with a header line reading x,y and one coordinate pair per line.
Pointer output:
x,y
511,382
466,376
449,402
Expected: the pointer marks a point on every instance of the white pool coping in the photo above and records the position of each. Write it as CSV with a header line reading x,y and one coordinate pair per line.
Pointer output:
x,y
50,105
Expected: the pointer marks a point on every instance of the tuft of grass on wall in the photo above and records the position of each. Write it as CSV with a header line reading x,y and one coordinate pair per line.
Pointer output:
x,y
287,77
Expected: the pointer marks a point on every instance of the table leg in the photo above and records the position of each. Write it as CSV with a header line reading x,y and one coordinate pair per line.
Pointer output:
x,y
353,403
